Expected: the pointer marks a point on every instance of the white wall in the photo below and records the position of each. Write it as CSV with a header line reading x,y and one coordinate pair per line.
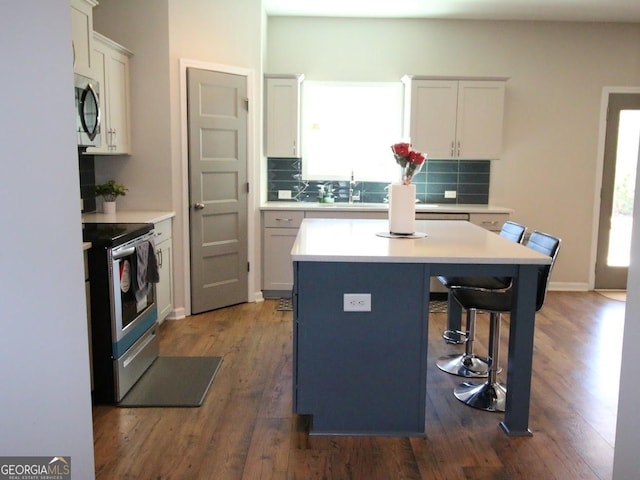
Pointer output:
x,y
219,32
626,461
557,72
147,172
45,406
160,33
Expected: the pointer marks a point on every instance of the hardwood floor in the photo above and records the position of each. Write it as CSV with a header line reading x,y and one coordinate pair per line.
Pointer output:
x,y
245,428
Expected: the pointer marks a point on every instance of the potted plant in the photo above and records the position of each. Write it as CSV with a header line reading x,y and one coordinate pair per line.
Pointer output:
x,y
109,192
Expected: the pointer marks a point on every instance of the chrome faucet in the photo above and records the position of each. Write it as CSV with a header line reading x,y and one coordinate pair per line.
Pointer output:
x,y
352,197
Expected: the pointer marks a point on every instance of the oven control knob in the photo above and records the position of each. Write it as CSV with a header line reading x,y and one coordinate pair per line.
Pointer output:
x,y
199,206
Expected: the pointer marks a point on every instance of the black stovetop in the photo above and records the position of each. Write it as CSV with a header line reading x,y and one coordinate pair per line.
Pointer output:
x,y
113,234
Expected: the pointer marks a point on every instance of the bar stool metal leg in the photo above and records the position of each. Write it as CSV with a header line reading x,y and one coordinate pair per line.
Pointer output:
x,y
490,395
468,364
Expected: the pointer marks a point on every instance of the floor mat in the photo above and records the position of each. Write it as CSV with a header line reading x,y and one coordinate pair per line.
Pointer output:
x,y
614,295
173,382
438,306
285,304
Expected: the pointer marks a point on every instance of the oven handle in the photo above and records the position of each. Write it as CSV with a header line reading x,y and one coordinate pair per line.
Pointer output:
x,y
123,252
130,247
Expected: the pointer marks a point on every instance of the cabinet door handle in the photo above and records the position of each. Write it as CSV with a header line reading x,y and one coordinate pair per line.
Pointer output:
x,y
159,255
453,147
458,149
284,219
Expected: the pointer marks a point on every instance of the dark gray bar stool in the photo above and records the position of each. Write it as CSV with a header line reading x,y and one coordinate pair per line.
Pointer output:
x,y
491,395
468,364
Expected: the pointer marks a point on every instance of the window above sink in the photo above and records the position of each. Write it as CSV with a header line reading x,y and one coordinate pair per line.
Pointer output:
x,y
348,128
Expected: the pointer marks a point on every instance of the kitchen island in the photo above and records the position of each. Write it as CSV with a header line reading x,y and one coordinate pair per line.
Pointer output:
x,y
363,372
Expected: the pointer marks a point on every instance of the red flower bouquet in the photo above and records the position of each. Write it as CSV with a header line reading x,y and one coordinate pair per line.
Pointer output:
x,y
410,160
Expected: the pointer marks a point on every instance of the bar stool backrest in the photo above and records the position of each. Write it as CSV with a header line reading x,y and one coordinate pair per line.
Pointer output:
x,y
548,245
513,231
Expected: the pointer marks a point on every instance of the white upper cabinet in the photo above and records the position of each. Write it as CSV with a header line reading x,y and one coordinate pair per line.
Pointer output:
x,y
111,67
282,122
82,36
461,119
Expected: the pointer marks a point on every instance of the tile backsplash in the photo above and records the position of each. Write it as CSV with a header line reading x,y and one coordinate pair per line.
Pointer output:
x,y
468,178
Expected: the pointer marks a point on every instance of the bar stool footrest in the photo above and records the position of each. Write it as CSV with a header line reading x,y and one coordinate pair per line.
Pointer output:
x,y
454,337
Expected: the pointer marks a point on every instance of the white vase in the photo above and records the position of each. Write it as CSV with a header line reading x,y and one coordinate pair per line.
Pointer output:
x,y
109,207
402,208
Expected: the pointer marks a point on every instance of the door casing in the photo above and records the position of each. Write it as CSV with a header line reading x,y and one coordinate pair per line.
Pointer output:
x,y
604,103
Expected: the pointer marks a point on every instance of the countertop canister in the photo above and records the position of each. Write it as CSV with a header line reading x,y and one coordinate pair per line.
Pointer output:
x,y
402,208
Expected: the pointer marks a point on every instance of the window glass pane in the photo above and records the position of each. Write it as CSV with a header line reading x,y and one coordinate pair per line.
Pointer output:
x,y
624,189
350,127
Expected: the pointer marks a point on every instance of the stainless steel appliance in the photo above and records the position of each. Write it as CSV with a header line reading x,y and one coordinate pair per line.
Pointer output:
x,y
123,308
88,115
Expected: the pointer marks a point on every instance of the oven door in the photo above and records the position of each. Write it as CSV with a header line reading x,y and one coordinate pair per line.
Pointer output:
x,y
133,298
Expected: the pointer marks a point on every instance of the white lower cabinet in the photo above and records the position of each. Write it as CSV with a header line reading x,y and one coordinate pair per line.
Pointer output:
x,y
164,288
279,232
489,221
280,228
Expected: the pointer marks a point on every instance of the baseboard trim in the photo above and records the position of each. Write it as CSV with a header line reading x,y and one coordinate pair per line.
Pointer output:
x,y
176,314
569,287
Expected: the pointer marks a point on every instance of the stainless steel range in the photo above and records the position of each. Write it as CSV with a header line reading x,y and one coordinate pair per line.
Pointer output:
x,y
123,308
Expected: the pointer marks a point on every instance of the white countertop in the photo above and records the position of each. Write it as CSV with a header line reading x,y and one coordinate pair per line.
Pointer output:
x,y
447,241
128,216
383,207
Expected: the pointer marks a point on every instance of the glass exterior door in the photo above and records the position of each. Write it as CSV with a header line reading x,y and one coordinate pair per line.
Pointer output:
x,y
618,191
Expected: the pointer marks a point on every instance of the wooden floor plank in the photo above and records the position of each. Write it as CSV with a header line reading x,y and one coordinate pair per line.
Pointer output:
x,y
245,428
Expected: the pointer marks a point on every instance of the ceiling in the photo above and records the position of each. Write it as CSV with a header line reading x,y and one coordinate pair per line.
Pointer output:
x,y
549,10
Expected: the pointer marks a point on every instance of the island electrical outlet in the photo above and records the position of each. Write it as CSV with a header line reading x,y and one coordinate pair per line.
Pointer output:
x,y
357,302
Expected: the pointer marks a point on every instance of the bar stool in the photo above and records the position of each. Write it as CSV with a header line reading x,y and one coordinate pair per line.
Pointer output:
x,y
491,395
468,364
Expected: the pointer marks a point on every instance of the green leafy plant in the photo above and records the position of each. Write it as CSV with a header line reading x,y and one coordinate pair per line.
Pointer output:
x,y
111,190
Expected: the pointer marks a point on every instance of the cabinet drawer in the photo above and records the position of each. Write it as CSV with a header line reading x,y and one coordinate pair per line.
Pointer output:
x,y
162,230
283,219
490,221
343,214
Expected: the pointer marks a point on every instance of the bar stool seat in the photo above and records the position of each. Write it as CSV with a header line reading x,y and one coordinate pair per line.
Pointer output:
x,y
491,395
469,364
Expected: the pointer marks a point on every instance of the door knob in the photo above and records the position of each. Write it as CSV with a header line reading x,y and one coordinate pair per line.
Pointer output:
x,y
199,206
